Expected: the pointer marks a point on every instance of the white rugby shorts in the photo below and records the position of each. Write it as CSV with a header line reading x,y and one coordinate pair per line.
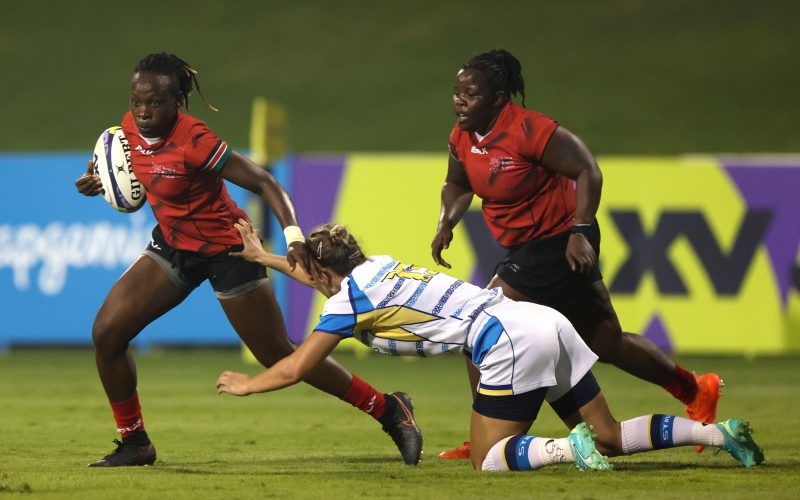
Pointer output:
x,y
519,347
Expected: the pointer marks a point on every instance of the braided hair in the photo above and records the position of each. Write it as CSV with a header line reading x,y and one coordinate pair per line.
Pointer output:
x,y
335,248
503,69
172,65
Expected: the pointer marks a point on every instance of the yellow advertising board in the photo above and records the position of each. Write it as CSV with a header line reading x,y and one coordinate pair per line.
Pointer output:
x,y
699,252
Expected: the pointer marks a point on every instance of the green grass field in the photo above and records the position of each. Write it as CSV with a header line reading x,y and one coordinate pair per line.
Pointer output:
x,y
300,443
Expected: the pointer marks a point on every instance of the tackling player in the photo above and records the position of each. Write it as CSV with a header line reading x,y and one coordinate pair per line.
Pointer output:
x,y
525,354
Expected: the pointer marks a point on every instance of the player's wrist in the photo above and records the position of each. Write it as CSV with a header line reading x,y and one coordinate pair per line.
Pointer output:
x,y
582,229
293,234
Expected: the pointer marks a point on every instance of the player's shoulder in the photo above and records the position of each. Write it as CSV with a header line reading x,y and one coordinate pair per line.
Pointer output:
x,y
379,259
529,129
188,128
369,273
524,117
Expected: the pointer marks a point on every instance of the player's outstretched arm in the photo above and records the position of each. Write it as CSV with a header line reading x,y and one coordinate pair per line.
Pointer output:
x,y
244,173
288,371
254,252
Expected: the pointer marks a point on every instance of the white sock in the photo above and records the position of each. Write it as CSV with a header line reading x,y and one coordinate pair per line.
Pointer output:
x,y
526,452
655,432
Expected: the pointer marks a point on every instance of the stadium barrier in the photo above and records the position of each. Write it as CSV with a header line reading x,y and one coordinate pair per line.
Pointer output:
x,y
61,252
700,253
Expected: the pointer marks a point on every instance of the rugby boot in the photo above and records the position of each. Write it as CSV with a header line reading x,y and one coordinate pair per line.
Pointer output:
x,y
739,442
128,454
704,406
586,456
398,422
460,453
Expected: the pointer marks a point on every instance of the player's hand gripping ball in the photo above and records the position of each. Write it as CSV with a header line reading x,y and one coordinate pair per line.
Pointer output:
x,y
112,162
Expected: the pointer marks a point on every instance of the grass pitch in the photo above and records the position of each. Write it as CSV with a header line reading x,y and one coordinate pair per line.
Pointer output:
x,y
54,419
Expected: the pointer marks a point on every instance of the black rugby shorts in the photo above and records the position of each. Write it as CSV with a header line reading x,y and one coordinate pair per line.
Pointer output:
x,y
539,269
230,277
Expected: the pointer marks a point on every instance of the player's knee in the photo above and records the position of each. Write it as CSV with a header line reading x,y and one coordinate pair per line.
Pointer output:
x,y
107,336
492,459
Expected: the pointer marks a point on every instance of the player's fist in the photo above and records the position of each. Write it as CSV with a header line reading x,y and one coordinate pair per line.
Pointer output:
x,y
441,241
89,183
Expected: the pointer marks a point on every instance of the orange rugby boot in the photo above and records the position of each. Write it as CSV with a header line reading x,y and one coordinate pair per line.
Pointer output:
x,y
460,453
704,406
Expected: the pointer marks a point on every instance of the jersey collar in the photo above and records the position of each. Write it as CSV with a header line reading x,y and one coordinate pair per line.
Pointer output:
x,y
503,120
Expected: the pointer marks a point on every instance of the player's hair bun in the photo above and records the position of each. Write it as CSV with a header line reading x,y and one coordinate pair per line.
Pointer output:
x,y
335,248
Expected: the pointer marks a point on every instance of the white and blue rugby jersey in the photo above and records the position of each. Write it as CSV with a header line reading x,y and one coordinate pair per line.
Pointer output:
x,y
402,309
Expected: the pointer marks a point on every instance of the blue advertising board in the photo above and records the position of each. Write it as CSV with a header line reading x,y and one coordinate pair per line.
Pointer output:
x,y
61,252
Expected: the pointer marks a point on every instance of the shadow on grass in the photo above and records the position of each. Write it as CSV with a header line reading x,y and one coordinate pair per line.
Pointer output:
x,y
654,466
367,464
325,464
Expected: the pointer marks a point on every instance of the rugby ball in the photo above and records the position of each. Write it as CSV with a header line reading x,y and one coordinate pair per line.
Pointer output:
x,y
112,162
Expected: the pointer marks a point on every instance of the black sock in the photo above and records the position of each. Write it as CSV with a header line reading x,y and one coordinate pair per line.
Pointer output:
x,y
136,438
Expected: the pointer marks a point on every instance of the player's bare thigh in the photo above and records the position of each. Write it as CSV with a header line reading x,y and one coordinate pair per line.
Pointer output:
x,y
485,432
143,293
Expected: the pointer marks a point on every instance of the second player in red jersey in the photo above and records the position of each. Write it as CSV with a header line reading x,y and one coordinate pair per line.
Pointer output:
x,y
541,188
521,200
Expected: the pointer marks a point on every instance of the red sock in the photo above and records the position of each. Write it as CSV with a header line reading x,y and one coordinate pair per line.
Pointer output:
x,y
128,415
682,385
364,397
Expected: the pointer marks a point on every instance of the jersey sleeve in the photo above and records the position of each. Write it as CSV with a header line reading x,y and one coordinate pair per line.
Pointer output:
x,y
205,151
536,131
338,316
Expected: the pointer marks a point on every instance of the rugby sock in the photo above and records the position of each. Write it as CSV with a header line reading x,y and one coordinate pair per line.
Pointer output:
x,y
526,452
364,397
128,416
682,385
656,432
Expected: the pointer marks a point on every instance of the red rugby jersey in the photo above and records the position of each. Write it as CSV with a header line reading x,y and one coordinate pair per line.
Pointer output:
x,y
522,200
181,175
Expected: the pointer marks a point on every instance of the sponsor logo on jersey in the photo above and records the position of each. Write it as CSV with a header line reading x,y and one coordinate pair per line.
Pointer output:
x,y
478,151
146,152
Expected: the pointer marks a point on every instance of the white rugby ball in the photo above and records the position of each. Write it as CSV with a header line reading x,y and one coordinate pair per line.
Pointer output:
x,y
112,162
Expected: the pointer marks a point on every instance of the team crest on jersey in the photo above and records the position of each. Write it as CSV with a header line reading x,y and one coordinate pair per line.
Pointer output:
x,y
496,166
161,170
478,151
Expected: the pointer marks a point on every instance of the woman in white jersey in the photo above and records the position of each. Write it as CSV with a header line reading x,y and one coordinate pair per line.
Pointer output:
x,y
525,353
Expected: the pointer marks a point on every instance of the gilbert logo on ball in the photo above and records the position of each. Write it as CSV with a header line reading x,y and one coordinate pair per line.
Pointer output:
x,y
112,162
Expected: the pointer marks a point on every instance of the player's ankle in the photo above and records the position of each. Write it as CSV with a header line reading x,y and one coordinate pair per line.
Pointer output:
x,y
389,410
136,438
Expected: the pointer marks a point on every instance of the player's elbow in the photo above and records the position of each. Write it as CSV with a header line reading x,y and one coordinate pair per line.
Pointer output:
x,y
592,171
291,373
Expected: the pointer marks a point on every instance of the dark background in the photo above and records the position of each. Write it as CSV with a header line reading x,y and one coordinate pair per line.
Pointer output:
x,y
628,76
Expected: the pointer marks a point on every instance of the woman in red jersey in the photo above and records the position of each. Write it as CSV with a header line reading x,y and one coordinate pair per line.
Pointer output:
x,y
181,163
541,188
